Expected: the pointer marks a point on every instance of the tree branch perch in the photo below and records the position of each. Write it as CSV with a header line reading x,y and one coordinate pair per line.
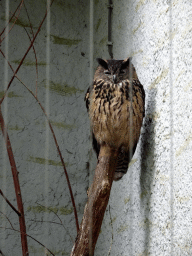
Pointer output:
x,y
97,202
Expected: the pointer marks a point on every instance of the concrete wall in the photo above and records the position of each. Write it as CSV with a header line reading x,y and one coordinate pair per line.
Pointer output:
x,y
149,212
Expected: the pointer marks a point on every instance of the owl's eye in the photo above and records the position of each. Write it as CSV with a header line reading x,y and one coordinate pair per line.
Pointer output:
x,y
107,72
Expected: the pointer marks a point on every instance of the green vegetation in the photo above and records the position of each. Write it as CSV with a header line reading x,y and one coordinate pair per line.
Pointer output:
x,y
65,41
9,95
63,89
40,160
30,63
58,210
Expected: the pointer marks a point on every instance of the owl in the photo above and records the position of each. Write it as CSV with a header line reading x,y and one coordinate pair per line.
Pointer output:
x,y
116,105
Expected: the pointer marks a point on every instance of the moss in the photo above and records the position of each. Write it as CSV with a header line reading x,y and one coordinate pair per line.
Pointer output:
x,y
135,29
65,210
184,145
18,22
33,249
147,223
64,5
41,251
21,23
140,3
132,161
30,63
41,208
114,219
159,78
63,125
65,41
60,252
122,228
59,210
143,194
63,89
98,24
137,52
40,160
96,2
15,128
9,95
119,26
103,41
126,200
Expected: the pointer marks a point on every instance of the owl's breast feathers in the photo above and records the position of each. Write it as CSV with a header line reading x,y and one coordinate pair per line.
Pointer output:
x,y
116,112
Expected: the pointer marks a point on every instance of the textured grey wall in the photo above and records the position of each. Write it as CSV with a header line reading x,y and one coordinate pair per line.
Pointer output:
x,y
150,208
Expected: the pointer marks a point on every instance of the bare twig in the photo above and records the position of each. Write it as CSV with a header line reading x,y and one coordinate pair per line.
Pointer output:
x,y
7,219
14,209
57,146
56,143
2,253
61,223
60,155
31,238
13,15
21,62
7,61
16,185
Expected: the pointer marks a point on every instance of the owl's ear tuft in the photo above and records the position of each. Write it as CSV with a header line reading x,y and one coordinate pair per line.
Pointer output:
x,y
126,63
103,63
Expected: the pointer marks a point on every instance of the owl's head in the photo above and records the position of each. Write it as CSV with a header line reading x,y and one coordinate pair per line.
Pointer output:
x,y
115,71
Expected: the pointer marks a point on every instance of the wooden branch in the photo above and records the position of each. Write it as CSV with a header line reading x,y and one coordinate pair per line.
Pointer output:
x,y
16,185
9,203
97,202
22,60
56,143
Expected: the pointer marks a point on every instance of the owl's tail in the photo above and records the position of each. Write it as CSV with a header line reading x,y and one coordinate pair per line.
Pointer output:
x,y
122,165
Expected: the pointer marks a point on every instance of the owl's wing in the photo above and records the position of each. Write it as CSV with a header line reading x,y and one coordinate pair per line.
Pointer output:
x,y
86,99
96,146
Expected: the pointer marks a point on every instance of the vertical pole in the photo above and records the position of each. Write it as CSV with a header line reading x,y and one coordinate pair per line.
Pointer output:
x,y
110,44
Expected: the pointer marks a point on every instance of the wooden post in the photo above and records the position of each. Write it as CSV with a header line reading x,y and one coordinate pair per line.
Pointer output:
x,y
95,207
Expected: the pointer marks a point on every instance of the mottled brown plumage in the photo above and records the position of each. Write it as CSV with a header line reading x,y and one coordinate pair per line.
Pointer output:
x,y
116,106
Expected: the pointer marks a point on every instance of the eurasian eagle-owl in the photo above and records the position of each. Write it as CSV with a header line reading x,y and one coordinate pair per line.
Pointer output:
x,y
116,107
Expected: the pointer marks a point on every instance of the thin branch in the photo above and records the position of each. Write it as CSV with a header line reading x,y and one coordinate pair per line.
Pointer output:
x,y
2,253
21,62
7,61
14,209
31,238
57,146
60,155
13,15
16,185
48,208
7,219
58,218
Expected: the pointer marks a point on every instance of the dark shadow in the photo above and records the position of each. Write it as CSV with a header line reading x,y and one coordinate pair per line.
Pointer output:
x,y
147,163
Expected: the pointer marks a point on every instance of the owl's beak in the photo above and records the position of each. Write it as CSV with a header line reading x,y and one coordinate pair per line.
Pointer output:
x,y
114,79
